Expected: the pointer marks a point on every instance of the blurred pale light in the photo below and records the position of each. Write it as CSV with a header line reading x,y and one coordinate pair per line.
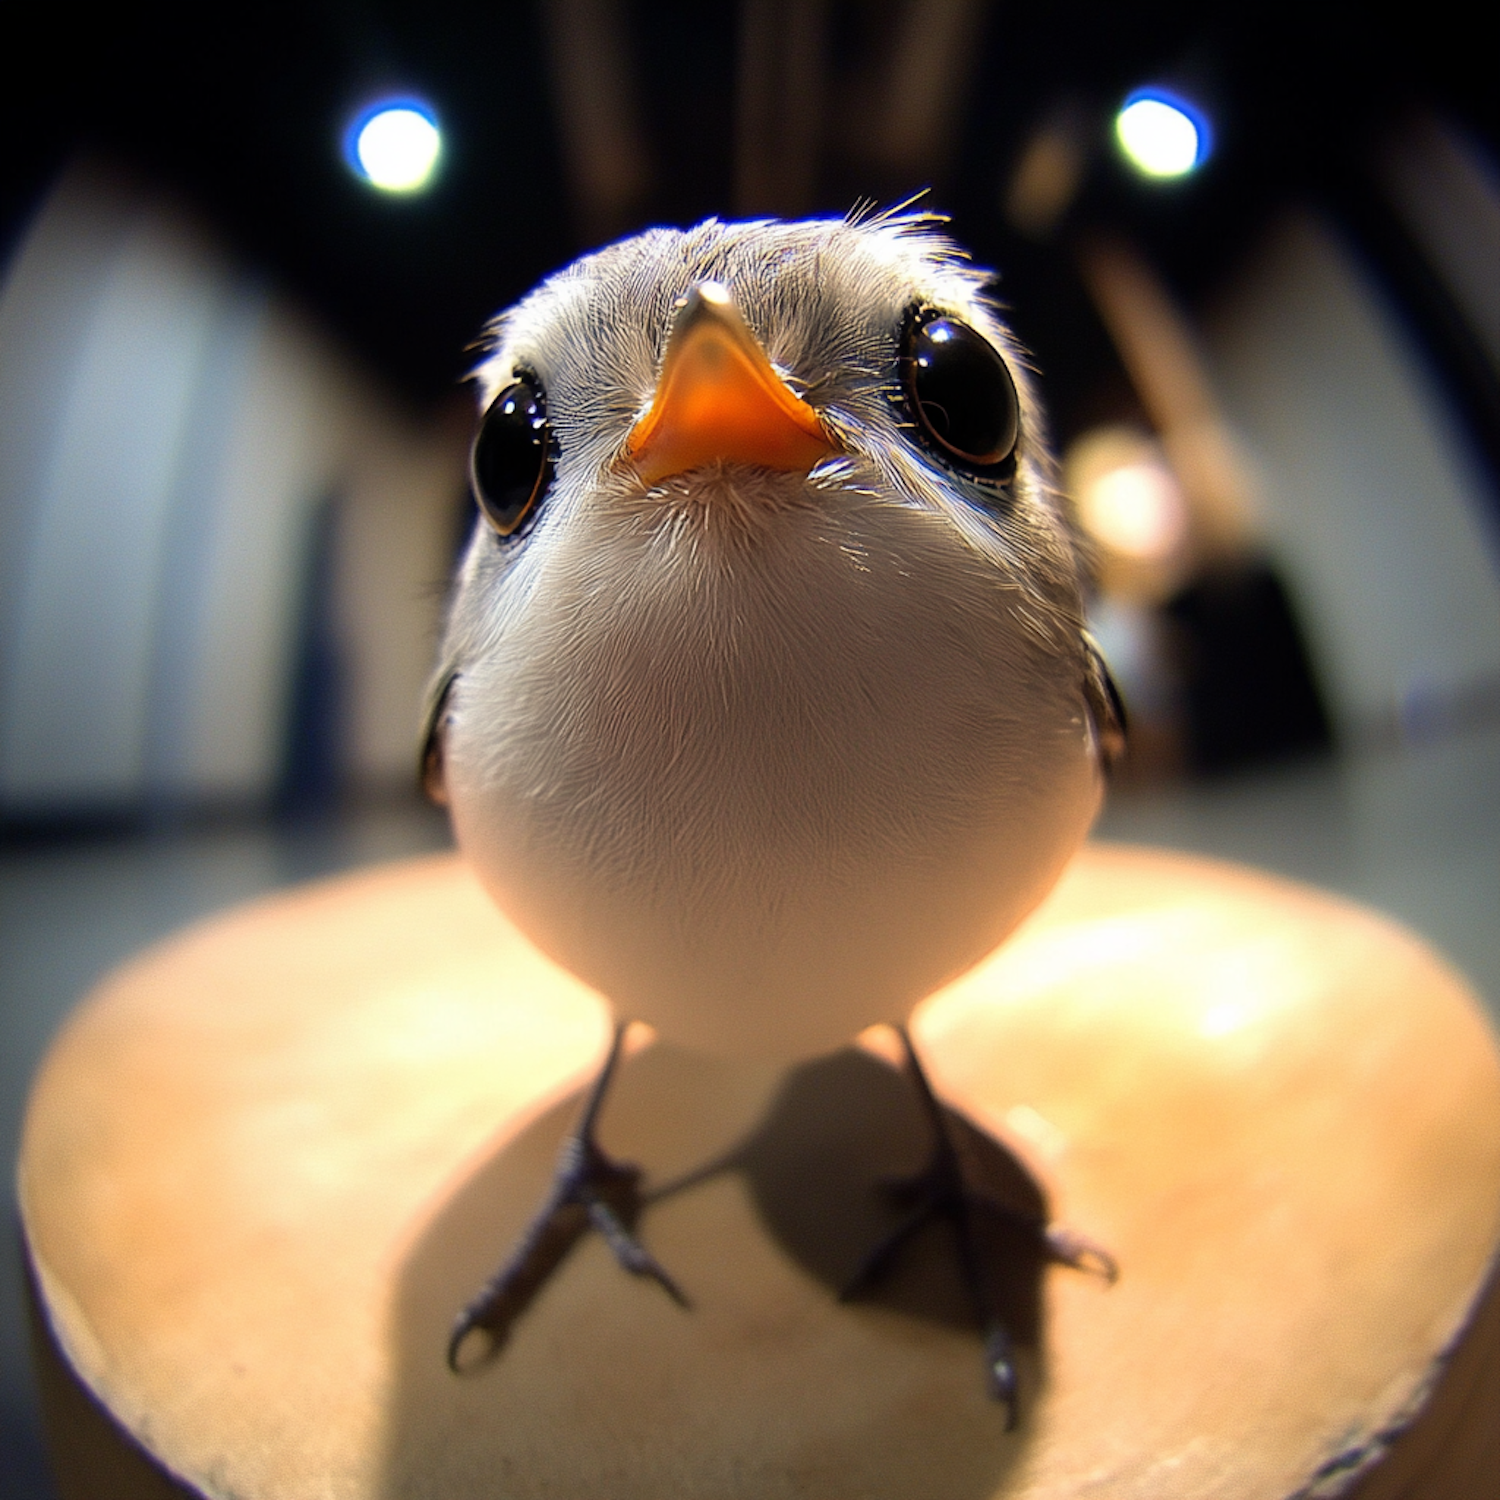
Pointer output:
x,y
1162,135
1136,510
395,146
1049,172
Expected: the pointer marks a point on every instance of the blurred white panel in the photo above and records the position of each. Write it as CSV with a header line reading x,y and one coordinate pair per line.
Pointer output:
x,y
282,455
169,432
1374,505
598,120
187,586
1448,194
394,553
81,638
306,429
47,303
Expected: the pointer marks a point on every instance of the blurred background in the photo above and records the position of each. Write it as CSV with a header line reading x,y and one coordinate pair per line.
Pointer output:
x,y
1254,250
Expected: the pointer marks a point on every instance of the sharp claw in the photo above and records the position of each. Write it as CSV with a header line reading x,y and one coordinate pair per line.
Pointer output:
x,y
658,1274
470,1320
1001,1369
941,1192
584,1181
631,1254
878,1261
463,1326
1082,1255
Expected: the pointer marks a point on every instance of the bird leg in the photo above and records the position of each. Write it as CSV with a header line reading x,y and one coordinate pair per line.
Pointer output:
x,y
938,1190
588,1188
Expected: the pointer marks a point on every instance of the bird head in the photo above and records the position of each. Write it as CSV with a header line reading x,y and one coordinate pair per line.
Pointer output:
x,y
764,702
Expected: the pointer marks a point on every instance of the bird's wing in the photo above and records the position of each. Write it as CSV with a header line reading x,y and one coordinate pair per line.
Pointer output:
x,y
430,758
1105,706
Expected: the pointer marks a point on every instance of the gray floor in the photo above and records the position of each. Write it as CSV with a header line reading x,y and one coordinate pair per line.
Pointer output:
x,y
1416,832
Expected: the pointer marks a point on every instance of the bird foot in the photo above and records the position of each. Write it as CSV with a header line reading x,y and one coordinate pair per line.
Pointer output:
x,y
589,1189
939,1191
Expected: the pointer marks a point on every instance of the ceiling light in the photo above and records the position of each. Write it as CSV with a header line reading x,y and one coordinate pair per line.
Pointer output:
x,y
1137,510
395,145
1162,134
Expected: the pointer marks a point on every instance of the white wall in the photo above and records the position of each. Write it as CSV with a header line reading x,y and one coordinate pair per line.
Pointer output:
x,y
1375,506
1447,193
93,495
167,429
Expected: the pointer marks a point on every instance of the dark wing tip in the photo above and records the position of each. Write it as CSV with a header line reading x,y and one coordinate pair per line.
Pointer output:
x,y
430,771
1106,707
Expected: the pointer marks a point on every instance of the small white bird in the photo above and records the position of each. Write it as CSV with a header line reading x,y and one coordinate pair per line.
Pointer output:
x,y
765,703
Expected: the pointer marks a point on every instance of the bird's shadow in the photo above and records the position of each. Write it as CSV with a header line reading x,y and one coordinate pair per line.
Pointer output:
x,y
827,1169
818,1168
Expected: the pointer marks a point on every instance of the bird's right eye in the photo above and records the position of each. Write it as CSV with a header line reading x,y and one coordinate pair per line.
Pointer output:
x,y
511,462
961,394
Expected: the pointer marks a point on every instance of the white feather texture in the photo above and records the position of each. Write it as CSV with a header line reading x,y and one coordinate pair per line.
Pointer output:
x,y
766,757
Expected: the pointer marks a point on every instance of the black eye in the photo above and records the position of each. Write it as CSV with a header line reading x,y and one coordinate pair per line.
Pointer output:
x,y
511,462
961,393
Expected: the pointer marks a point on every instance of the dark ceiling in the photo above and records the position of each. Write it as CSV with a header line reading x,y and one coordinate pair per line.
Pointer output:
x,y
238,111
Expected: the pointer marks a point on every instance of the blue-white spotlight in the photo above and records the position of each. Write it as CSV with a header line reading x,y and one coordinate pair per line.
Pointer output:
x,y
1162,134
395,145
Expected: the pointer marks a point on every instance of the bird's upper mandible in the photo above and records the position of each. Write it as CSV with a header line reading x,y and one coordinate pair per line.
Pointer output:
x,y
719,398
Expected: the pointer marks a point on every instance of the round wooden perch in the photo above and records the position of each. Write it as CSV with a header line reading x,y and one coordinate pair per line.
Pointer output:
x,y
268,1161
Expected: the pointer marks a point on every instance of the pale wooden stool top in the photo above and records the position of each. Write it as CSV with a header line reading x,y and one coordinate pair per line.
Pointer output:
x,y
268,1160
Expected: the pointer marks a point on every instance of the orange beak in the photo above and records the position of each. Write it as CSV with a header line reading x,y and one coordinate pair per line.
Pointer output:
x,y
719,399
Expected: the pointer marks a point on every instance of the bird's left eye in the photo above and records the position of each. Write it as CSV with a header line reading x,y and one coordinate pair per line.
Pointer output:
x,y
961,394
511,462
